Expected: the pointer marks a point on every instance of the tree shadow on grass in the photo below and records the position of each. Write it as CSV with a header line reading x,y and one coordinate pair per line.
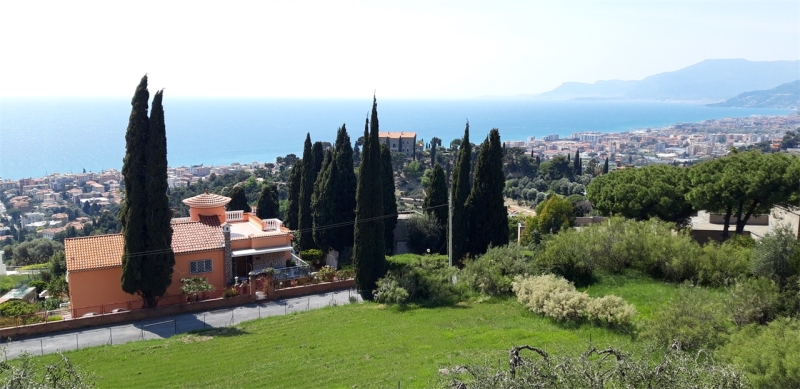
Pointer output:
x,y
223,332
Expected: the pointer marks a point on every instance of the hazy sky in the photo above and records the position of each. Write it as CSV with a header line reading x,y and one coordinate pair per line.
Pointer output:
x,y
348,49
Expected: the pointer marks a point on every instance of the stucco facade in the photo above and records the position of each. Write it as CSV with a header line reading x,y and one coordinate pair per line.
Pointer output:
x,y
211,243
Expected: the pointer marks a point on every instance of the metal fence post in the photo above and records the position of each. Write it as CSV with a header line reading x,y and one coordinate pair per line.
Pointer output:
x,y
110,337
41,347
77,345
204,320
175,327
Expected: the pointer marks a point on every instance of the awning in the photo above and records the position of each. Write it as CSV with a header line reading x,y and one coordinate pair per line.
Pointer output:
x,y
246,252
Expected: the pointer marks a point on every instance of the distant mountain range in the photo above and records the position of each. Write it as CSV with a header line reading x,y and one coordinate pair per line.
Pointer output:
x,y
708,81
783,96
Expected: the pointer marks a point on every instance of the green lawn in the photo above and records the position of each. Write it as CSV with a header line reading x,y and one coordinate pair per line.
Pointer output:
x,y
363,345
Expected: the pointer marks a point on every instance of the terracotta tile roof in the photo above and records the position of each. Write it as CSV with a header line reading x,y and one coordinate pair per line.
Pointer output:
x,y
396,135
105,251
93,252
206,200
190,237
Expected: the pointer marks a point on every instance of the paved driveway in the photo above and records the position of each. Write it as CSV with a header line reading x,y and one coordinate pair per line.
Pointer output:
x,y
164,327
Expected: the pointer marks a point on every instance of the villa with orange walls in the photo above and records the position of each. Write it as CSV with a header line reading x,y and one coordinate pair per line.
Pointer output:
x,y
211,243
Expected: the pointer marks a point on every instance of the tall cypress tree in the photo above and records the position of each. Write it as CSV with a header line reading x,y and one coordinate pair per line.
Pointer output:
x,y
368,250
238,200
311,167
157,266
460,190
576,164
134,205
605,167
293,196
321,212
435,202
336,201
389,199
268,206
487,212
145,213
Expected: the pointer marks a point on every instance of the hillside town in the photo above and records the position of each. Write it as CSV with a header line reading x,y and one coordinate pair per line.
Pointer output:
x,y
39,199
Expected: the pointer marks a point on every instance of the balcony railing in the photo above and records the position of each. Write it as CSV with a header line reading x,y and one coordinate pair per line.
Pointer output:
x,y
273,224
233,216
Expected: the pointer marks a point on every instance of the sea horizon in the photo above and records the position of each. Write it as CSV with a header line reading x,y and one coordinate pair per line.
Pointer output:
x,y
66,135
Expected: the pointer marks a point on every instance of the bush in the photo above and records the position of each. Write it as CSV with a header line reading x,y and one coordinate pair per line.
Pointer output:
x,y
17,308
534,292
722,264
610,310
694,319
326,273
230,292
753,301
566,305
776,256
493,273
389,291
424,233
39,285
566,255
555,297
313,257
770,356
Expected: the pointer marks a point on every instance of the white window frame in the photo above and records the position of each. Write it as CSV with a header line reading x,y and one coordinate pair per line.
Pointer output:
x,y
201,266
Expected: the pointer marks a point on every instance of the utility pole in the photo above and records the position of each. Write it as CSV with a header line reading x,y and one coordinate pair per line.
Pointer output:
x,y
450,226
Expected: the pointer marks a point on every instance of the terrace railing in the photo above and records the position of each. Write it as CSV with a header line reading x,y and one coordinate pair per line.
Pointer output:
x,y
273,224
233,216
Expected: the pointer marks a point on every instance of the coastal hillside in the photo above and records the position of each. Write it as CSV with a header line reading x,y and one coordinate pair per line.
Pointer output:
x,y
710,80
783,96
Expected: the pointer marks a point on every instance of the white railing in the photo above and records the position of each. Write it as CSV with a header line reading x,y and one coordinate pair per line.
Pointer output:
x,y
272,224
233,216
181,219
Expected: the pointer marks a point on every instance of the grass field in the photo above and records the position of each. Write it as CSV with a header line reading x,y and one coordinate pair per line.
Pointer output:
x,y
364,345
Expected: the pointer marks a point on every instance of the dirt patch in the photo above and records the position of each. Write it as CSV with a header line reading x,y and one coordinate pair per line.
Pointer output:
x,y
195,338
512,207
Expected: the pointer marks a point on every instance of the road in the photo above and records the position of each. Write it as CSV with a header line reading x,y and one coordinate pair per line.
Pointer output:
x,y
167,326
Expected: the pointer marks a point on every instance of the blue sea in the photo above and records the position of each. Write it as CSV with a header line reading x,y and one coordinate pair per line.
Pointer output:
x,y
41,136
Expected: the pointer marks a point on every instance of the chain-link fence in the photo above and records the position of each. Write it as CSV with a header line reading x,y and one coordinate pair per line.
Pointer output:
x,y
166,327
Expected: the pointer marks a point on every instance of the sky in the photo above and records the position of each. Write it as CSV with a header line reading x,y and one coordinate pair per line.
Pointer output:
x,y
350,49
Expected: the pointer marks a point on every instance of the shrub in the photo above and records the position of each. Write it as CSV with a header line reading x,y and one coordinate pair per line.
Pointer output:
x,y
722,264
326,273
693,320
39,285
776,255
389,291
770,356
345,273
425,233
493,273
610,310
533,292
17,308
230,292
566,305
753,301
313,257
566,255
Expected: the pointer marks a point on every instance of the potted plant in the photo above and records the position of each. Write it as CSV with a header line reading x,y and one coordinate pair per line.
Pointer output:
x,y
194,287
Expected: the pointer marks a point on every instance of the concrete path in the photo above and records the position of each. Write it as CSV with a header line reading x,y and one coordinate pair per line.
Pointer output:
x,y
165,327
